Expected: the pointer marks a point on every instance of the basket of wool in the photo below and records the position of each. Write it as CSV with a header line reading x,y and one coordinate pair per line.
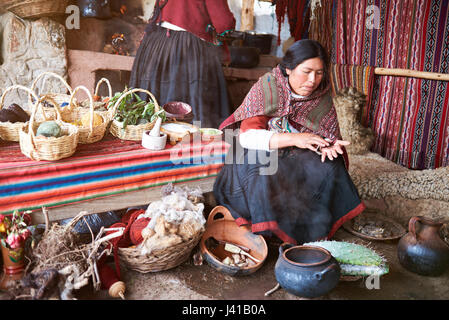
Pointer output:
x,y
165,235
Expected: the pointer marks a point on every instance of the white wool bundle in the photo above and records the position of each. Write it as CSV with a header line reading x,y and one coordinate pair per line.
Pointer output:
x,y
175,208
174,219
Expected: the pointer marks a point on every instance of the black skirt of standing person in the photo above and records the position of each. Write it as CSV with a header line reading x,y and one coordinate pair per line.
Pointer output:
x,y
301,199
179,66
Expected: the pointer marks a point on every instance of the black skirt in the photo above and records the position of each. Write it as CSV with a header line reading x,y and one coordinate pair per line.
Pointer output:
x,y
298,199
178,66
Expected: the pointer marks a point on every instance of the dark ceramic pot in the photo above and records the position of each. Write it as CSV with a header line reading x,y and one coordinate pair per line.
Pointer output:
x,y
244,57
306,271
95,8
422,250
263,41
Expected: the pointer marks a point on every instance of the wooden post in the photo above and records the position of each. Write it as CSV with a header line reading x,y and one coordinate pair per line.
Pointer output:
x,y
411,73
247,22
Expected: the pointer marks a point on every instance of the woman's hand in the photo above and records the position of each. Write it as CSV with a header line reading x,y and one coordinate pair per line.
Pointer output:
x,y
309,141
332,151
301,140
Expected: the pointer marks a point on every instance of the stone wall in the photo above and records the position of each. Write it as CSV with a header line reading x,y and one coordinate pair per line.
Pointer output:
x,y
29,48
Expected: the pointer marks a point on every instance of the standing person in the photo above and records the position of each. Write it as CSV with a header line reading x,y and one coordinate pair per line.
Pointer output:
x,y
289,111
178,59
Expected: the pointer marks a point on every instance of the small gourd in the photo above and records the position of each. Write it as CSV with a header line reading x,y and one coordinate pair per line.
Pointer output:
x,y
49,129
85,120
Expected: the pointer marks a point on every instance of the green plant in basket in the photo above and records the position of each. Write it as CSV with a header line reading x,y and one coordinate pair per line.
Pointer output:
x,y
13,229
132,110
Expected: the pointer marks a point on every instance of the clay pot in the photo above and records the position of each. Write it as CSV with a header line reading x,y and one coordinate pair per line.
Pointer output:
x,y
221,227
306,271
423,251
13,266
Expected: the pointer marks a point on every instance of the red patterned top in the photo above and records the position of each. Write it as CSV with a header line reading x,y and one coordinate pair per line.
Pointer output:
x,y
195,15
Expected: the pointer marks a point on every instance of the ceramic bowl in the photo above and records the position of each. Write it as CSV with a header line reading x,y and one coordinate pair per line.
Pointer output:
x,y
220,229
179,111
211,134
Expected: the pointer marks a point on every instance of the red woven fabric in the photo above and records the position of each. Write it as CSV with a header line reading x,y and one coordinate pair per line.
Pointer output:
x,y
297,19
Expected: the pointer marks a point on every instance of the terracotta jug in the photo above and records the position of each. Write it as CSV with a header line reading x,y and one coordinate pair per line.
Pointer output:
x,y
422,250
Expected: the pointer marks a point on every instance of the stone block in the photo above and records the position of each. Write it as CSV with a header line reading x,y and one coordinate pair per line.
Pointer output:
x,y
30,47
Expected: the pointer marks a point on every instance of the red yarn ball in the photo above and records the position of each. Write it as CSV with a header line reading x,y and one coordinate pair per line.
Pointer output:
x,y
123,241
135,232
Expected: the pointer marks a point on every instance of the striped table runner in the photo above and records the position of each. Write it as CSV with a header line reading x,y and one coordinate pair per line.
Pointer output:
x,y
108,167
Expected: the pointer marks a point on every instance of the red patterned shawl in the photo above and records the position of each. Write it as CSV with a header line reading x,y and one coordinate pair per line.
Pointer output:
x,y
271,96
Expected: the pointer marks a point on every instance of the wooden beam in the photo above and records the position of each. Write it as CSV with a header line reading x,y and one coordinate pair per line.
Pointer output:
x,y
411,73
247,22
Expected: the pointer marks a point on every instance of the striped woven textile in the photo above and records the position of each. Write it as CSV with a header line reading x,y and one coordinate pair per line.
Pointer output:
x,y
410,116
102,169
359,77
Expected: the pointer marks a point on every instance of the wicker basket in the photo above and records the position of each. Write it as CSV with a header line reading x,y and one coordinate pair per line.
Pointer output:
x,y
60,98
168,258
89,134
36,8
100,104
10,131
51,148
131,132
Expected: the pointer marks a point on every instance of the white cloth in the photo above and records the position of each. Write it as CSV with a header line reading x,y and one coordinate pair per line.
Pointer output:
x,y
258,139
171,26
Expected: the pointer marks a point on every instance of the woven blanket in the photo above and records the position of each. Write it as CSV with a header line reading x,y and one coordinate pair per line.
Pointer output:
x,y
102,169
410,116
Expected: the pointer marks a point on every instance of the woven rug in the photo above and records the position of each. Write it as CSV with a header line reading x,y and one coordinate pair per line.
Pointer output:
x,y
410,116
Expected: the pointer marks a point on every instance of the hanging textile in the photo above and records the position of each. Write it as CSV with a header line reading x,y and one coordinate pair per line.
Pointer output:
x,y
297,14
320,26
410,116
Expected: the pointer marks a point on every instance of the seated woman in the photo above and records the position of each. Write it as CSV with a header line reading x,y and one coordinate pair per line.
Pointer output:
x,y
288,117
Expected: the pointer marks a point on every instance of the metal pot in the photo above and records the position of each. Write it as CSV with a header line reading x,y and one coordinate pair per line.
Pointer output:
x,y
263,41
244,57
95,8
306,271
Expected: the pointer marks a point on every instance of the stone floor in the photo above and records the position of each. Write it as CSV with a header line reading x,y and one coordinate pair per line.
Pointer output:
x,y
190,282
